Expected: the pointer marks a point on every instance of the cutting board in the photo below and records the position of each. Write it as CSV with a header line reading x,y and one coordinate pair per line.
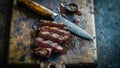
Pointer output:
x,y
80,51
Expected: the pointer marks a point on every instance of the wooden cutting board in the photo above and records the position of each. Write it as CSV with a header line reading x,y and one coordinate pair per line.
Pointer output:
x,y
81,51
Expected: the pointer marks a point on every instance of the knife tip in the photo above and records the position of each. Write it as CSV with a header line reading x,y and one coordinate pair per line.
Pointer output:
x,y
91,38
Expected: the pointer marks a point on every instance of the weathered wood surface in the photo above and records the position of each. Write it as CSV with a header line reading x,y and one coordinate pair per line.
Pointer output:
x,y
80,50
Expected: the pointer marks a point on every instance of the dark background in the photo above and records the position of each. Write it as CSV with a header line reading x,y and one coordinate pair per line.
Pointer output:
x,y
107,20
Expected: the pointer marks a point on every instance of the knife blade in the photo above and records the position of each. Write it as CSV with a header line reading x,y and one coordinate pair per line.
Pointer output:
x,y
36,7
72,27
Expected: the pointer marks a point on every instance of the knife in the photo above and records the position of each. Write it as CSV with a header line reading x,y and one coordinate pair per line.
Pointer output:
x,y
36,7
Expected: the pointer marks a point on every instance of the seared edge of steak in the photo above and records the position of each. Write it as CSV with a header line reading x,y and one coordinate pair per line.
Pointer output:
x,y
52,24
54,30
60,39
40,42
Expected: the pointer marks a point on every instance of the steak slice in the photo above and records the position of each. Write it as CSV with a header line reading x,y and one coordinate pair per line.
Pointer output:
x,y
54,30
40,42
60,39
45,52
52,24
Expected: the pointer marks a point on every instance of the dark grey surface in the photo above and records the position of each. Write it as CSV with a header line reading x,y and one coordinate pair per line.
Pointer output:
x,y
107,17
5,12
107,20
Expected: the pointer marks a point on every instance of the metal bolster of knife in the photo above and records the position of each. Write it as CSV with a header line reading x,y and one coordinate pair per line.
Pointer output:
x,y
54,15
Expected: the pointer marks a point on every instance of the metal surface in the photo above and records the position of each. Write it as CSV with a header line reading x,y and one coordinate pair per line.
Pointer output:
x,y
78,50
74,28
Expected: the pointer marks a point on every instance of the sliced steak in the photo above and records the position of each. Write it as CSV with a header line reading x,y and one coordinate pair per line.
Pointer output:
x,y
52,24
40,42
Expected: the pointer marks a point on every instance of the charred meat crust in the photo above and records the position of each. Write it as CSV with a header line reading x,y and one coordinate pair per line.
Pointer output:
x,y
40,42
45,52
54,30
52,24
60,39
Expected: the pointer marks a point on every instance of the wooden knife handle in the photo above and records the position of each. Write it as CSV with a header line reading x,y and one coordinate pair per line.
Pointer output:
x,y
36,7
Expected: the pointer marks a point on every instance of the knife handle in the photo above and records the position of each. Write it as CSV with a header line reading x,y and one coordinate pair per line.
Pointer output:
x,y
36,7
